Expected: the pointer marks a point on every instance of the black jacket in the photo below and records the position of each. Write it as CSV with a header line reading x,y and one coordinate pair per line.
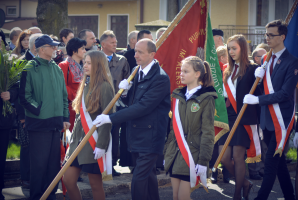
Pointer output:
x,y
284,80
146,117
244,84
130,56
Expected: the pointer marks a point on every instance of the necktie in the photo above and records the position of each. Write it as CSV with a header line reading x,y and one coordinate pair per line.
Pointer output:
x,y
272,63
235,71
141,75
109,58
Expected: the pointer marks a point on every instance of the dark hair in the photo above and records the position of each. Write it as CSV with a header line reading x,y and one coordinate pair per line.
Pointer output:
x,y
17,50
281,26
244,61
203,67
2,35
82,33
73,45
141,34
64,33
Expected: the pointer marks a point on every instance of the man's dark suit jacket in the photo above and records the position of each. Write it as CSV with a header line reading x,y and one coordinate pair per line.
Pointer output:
x,y
284,79
146,117
130,56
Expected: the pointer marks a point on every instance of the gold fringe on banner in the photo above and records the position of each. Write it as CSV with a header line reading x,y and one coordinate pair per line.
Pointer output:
x,y
254,159
197,186
106,177
225,128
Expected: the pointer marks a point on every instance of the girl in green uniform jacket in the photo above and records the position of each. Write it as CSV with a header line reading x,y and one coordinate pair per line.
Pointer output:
x,y
196,109
98,92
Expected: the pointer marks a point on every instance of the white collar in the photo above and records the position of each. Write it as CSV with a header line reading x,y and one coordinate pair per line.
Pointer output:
x,y
192,91
109,55
147,68
278,54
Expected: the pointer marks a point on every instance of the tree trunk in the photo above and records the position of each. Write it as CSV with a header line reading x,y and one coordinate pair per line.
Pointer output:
x,y
52,16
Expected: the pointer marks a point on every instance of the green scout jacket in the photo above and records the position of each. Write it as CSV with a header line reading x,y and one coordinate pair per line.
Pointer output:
x,y
86,156
43,95
197,119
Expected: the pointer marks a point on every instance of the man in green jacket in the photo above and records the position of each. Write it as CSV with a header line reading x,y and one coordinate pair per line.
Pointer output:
x,y
44,96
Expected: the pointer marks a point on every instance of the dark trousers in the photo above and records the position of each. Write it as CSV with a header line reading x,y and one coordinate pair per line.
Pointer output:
x,y
25,163
275,166
44,162
4,138
257,168
144,181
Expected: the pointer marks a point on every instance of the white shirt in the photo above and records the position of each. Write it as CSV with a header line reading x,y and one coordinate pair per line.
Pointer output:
x,y
278,54
235,82
146,69
188,94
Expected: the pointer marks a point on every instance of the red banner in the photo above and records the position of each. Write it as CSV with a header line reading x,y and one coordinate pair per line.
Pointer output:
x,y
184,41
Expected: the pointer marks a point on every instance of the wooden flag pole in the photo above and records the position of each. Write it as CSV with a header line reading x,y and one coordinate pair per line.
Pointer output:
x,y
84,141
288,18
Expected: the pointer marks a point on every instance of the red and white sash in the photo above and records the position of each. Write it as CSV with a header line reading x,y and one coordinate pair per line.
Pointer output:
x,y
184,148
254,151
281,132
105,162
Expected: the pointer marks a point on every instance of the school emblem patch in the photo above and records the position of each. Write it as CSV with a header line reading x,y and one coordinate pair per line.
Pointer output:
x,y
195,107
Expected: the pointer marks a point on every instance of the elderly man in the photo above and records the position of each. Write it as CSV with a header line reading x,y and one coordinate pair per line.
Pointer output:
x,y
89,37
218,37
132,39
148,100
119,68
35,30
44,96
257,55
129,55
159,32
13,36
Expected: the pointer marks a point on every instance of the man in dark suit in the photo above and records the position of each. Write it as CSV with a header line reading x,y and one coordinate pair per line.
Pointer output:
x,y
283,68
130,54
146,118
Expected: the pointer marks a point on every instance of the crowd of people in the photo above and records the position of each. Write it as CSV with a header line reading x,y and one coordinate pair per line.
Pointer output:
x,y
69,81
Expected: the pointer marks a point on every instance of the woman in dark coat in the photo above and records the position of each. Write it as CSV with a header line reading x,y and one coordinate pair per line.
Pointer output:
x,y
238,78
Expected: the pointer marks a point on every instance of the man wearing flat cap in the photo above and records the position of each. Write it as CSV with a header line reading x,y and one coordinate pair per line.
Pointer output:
x,y
218,37
44,96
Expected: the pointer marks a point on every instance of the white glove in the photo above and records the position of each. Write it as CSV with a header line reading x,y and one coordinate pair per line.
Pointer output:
x,y
125,86
98,153
295,140
251,99
260,72
101,119
200,170
164,162
261,133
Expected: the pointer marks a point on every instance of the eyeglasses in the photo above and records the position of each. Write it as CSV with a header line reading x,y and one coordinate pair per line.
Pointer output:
x,y
270,36
53,47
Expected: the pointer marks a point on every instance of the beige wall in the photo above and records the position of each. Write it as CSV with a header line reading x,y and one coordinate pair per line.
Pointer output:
x,y
4,3
108,8
229,12
151,10
28,9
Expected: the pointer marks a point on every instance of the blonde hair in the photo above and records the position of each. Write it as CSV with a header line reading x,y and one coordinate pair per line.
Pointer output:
x,y
100,73
203,67
221,51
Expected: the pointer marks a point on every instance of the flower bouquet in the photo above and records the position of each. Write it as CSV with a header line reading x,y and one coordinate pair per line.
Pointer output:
x,y
10,74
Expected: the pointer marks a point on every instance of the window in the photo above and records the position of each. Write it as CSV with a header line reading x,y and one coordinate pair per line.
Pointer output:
x,y
119,25
262,12
11,10
78,23
281,9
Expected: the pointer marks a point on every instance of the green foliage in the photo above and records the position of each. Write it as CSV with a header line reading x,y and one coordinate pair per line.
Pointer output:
x,y
10,74
292,154
13,150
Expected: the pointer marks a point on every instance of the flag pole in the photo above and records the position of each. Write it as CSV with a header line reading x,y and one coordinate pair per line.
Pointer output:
x,y
288,18
84,141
